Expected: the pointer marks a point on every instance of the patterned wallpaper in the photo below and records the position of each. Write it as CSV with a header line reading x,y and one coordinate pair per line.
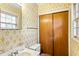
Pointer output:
x,y
74,45
10,39
30,24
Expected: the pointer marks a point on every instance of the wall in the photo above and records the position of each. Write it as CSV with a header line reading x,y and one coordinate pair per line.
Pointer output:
x,y
74,47
44,8
10,38
30,24
54,7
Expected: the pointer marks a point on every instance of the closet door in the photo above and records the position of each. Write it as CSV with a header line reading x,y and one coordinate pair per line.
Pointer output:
x,y
46,34
61,33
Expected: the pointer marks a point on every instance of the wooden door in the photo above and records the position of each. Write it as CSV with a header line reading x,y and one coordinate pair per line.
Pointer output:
x,y
46,34
60,33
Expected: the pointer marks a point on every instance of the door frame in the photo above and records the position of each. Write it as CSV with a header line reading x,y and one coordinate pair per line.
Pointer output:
x,y
69,23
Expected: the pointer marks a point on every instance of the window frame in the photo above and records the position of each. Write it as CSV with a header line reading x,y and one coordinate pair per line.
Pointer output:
x,y
11,14
75,19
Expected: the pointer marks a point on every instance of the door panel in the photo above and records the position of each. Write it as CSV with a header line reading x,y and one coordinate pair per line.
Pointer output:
x,y
54,33
46,34
61,33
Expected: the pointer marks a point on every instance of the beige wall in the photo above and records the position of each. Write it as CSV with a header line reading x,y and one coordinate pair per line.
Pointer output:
x,y
30,20
74,45
10,38
44,8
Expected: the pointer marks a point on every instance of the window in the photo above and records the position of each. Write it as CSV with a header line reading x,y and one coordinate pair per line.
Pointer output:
x,y
7,21
75,20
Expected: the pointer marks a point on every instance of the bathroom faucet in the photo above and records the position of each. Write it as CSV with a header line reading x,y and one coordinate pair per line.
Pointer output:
x,y
16,52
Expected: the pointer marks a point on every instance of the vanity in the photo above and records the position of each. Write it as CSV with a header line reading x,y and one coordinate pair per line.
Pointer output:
x,y
21,51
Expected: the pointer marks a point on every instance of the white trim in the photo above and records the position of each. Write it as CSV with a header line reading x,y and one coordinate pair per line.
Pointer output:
x,y
51,11
72,17
69,22
69,29
9,12
38,30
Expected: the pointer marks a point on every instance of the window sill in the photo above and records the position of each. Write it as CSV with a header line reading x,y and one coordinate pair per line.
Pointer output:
x,y
9,29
